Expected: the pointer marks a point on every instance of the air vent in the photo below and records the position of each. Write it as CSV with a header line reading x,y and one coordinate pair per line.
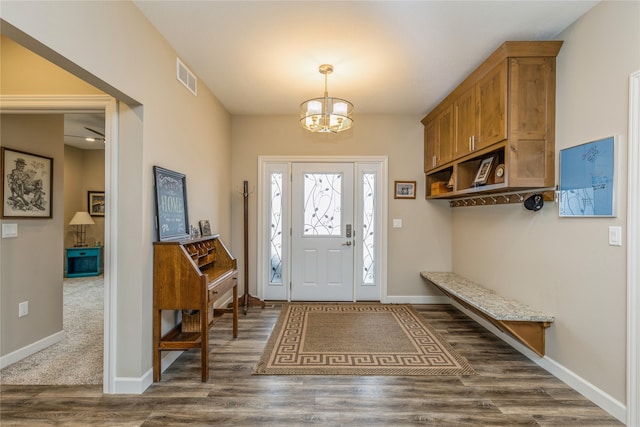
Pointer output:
x,y
186,77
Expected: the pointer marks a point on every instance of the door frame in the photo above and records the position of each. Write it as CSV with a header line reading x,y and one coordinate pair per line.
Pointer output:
x,y
262,255
633,251
60,104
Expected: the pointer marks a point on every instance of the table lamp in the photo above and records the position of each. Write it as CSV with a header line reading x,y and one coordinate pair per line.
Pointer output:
x,y
80,220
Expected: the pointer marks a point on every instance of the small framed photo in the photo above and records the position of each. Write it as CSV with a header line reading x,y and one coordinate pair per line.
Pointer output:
x,y
404,190
205,228
483,172
95,203
27,183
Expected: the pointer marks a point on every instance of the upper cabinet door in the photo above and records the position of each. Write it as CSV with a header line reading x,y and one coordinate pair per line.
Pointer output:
x,y
491,96
445,140
464,109
430,145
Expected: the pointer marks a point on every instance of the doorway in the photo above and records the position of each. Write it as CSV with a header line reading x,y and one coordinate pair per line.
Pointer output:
x,y
321,228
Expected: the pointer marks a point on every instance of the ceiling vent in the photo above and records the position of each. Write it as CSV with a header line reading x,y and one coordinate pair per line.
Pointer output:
x,y
186,77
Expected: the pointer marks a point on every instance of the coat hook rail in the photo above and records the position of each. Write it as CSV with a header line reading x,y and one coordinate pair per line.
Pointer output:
x,y
548,195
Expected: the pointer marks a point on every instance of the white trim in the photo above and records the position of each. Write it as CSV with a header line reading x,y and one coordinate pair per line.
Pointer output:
x,y
75,103
614,407
26,351
138,385
264,161
633,253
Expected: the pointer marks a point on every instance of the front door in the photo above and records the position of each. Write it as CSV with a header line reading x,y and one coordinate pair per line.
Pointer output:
x,y
322,253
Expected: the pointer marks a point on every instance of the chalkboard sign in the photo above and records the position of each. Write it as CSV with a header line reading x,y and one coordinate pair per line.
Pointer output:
x,y
586,179
172,219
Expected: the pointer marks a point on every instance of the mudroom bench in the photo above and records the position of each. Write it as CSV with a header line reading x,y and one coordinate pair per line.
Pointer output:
x,y
512,317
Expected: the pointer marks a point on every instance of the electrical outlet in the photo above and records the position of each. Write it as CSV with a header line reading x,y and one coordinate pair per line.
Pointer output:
x,y
23,309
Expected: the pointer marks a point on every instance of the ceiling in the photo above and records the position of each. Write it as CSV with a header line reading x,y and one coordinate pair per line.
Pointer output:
x,y
390,57
76,132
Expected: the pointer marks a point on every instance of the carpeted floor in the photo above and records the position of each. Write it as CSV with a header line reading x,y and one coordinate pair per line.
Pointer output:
x,y
77,359
357,339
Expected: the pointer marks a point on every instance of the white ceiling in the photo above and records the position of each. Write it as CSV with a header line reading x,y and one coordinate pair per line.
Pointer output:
x,y
76,132
390,57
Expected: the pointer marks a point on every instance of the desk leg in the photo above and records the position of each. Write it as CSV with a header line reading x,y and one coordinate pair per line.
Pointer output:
x,y
204,345
157,356
235,309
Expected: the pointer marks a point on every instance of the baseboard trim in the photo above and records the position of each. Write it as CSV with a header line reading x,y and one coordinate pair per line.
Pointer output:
x,y
133,385
30,349
614,407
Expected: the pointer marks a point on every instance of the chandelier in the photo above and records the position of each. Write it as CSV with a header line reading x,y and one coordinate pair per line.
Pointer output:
x,y
326,114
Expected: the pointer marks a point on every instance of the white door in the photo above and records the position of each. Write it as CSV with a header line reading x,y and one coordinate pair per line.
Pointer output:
x,y
322,254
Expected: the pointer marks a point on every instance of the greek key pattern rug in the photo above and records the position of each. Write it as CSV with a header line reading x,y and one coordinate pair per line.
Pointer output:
x,y
357,339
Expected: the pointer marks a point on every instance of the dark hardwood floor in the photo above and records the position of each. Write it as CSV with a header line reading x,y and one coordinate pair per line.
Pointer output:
x,y
509,390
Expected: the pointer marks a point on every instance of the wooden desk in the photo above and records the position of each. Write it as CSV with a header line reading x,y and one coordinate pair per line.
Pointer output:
x,y
191,274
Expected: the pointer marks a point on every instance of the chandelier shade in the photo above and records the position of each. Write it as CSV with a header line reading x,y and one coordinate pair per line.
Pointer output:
x,y
326,114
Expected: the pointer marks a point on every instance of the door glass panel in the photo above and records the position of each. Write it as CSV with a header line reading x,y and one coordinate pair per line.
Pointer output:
x,y
275,250
322,204
368,230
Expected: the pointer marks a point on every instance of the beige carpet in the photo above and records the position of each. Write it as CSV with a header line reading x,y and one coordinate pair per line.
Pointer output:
x,y
77,359
357,339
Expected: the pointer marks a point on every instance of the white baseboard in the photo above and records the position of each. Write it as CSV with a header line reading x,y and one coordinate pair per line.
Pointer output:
x,y
133,385
30,349
599,397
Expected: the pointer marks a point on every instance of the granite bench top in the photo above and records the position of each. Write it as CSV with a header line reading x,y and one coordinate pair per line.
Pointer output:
x,y
485,300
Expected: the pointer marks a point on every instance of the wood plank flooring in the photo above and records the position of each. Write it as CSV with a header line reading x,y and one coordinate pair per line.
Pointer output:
x,y
509,390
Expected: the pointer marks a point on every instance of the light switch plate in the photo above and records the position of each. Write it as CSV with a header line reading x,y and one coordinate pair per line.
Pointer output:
x,y
9,230
397,223
615,236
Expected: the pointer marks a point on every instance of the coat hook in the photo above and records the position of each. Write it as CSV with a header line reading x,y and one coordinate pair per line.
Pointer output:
x,y
494,200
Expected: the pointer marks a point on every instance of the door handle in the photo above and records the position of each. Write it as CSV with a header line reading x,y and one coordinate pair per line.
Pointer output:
x,y
348,243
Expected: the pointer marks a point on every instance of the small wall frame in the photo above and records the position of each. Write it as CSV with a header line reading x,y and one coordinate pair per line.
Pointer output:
x,y
95,203
404,189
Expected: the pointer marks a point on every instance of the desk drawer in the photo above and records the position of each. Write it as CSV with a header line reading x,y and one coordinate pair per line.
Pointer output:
x,y
222,287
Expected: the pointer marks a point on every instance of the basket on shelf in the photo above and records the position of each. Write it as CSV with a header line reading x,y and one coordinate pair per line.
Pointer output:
x,y
191,322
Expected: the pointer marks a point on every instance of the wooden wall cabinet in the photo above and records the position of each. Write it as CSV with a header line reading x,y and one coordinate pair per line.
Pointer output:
x,y
191,274
438,140
505,109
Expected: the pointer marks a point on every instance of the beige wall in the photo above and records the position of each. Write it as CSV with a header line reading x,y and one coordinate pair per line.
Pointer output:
x,y
564,266
424,241
30,264
167,126
27,73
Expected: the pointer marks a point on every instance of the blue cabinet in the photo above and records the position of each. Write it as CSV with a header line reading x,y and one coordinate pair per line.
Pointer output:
x,y
82,262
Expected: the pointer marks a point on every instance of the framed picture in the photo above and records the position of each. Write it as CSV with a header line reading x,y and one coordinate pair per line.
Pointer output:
x,y
483,172
172,218
205,228
95,203
587,179
27,184
404,190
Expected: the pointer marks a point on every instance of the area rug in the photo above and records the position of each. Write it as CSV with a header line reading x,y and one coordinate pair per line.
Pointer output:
x,y
357,339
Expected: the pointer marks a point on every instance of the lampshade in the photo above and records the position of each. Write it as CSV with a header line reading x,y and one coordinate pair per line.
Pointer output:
x,y
81,218
326,114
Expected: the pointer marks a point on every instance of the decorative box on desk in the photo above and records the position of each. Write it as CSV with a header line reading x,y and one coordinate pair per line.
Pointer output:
x,y
83,261
191,274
